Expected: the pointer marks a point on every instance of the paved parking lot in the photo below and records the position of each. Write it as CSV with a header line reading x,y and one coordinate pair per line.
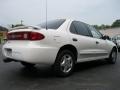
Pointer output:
x,y
111,32
97,75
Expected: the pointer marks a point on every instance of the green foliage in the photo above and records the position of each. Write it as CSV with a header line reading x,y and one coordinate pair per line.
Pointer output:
x,y
116,23
102,27
96,26
3,31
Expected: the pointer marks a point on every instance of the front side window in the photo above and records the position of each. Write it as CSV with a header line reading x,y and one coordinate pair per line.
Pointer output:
x,y
95,33
54,24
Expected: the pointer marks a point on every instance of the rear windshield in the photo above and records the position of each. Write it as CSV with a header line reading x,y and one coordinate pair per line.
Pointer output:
x,y
53,24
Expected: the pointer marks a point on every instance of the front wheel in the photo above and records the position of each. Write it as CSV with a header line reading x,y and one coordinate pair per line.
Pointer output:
x,y
113,57
64,63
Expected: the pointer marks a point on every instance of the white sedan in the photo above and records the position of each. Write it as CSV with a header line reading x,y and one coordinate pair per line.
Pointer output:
x,y
61,43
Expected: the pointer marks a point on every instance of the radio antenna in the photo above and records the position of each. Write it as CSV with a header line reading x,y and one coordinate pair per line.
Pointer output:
x,y
46,14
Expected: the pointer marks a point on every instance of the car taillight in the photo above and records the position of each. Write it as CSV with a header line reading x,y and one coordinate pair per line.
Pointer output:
x,y
25,36
36,36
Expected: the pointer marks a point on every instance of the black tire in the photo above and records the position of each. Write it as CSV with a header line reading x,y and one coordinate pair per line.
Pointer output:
x,y
118,49
27,65
113,57
65,60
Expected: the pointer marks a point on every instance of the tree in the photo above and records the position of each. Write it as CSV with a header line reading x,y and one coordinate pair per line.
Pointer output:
x,y
102,26
96,26
116,23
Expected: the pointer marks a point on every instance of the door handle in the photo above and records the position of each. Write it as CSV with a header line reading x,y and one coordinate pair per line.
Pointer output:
x,y
74,39
97,42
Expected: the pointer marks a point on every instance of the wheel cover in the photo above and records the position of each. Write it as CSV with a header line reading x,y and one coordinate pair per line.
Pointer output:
x,y
66,63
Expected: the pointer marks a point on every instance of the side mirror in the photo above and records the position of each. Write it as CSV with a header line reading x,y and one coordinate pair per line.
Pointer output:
x,y
106,37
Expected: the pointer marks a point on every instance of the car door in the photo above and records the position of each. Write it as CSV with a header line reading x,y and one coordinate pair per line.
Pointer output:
x,y
86,43
101,50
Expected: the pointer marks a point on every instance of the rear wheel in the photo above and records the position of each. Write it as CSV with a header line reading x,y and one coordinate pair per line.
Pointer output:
x,y
64,63
113,57
28,65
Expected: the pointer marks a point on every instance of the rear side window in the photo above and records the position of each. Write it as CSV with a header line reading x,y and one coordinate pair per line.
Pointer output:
x,y
54,24
79,28
72,28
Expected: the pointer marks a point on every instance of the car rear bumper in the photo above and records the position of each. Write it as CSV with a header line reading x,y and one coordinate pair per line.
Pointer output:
x,y
31,53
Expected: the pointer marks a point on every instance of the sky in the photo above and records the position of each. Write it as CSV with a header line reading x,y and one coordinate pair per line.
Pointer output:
x,y
33,12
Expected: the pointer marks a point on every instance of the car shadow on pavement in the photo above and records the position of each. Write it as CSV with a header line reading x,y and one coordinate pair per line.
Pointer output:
x,y
47,72
84,66
37,72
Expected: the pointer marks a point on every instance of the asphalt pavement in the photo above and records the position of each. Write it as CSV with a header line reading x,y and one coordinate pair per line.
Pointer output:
x,y
95,75
111,32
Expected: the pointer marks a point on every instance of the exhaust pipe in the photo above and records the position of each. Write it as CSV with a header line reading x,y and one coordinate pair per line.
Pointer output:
x,y
7,60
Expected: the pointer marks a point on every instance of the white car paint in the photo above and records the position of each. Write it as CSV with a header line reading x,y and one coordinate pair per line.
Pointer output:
x,y
116,39
46,50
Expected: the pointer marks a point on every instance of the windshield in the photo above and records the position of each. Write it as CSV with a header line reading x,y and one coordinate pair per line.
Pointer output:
x,y
53,24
